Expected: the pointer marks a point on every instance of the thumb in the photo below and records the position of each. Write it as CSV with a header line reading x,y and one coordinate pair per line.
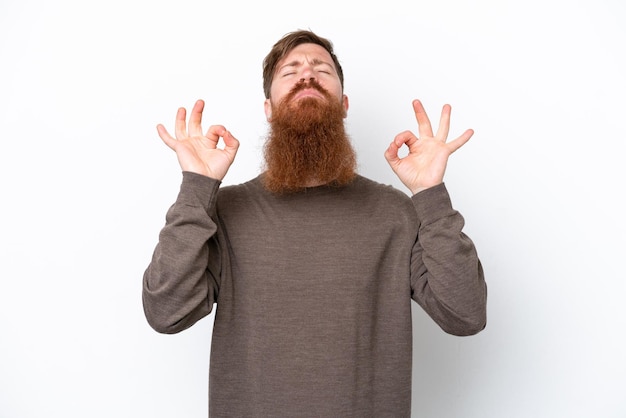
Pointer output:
x,y
391,154
166,137
230,142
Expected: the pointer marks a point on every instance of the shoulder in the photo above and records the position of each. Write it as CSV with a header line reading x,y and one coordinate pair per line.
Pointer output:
x,y
241,188
380,191
382,200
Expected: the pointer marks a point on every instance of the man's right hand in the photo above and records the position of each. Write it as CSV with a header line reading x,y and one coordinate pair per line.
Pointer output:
x,y
198,152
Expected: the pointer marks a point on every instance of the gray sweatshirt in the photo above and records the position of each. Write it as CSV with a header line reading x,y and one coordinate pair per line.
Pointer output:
x,y
313,291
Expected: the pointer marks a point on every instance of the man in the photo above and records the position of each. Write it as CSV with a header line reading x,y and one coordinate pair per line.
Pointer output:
x,y
312,266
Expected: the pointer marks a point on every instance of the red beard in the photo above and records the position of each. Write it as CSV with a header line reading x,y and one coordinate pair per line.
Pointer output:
x,y
307,143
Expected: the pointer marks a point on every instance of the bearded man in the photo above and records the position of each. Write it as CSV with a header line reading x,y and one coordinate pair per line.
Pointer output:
x,y
308,144
312,266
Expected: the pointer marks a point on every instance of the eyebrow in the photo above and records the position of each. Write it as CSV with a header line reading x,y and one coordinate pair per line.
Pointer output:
x,y
296,63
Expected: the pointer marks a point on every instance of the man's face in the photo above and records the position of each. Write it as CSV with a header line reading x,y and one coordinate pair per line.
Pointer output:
x,y
305,61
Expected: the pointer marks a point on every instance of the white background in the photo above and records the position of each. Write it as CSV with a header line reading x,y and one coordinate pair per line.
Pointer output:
x,y
85,183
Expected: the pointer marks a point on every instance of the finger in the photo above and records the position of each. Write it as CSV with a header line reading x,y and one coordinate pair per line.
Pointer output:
x,y
180,124
391,154
406,137
231,144
444,123
425,129
215,132
195,119
460,141
165,136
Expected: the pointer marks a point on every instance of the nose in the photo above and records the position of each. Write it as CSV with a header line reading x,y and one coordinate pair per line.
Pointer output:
x,y
310,79
308,72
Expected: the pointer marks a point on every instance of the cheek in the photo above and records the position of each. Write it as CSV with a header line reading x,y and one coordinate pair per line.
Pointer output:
x,y
332,86
335,91
278,92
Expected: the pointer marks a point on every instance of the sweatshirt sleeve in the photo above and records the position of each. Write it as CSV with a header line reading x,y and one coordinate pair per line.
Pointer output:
x,y
181,282
447,278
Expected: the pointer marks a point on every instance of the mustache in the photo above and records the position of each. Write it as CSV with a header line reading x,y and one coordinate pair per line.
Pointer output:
x,y
307,84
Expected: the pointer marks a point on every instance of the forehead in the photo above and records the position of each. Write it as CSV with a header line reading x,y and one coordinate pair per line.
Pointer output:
x,y
307,52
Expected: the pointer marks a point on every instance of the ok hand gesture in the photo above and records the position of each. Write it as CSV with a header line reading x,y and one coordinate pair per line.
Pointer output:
x,y
425,164
198,152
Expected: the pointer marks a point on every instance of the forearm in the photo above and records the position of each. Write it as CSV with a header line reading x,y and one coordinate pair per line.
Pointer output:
x,y
178,286
447,276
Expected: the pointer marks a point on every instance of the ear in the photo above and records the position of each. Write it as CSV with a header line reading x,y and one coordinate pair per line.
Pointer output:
x,y
267,106
346,105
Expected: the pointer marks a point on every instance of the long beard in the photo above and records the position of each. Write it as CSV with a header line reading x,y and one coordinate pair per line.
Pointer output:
x,y
308,144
